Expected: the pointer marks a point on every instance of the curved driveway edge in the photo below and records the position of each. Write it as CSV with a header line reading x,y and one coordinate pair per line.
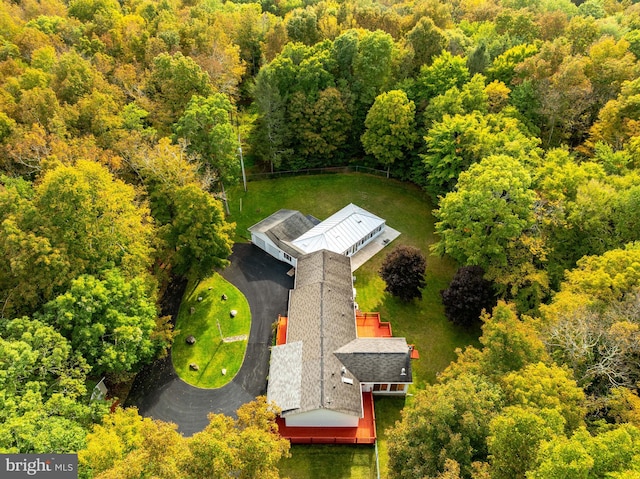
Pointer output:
x,y
159,393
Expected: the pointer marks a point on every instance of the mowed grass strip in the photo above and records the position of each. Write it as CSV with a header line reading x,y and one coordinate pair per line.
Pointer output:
x,y
328,461
210,352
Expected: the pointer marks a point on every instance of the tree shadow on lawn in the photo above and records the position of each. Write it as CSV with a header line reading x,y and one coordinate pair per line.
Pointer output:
x,y
204,369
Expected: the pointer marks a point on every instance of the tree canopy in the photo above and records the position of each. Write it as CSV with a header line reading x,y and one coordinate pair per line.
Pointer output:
x,y
120,126
403,272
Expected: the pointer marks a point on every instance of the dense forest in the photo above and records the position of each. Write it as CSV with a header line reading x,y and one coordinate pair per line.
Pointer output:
x,y
120,125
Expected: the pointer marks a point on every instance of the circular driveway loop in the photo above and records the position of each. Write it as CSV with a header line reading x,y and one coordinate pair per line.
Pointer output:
x,y
158,392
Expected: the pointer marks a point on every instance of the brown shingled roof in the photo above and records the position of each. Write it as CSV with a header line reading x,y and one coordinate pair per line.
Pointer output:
x,y
322,316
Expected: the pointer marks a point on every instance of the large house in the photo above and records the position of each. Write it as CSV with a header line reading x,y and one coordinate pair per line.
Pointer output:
x,y
288,234
327,363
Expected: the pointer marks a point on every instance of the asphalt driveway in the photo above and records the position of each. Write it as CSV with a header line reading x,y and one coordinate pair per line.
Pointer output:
x,y
159,393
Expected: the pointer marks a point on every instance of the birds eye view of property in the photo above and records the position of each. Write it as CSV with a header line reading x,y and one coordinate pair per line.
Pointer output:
x,y
320,239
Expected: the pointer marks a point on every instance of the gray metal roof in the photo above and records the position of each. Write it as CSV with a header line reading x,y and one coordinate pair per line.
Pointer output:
x,y
377,360
340,231
285,375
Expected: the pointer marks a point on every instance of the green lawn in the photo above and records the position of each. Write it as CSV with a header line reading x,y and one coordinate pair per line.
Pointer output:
x,y
407,209
209,352
329,462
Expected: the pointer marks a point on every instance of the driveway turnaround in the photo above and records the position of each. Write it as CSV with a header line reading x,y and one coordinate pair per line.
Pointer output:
x,y
159,393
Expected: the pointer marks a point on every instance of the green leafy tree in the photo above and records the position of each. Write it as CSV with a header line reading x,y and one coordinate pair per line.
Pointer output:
x,y
98,115
23,282
197,236
76,220
547,388
403,272
611,64
583,455
472,97
94,218
126,445
39,105
110,441
109,321
292,95
509,343
6,126
482,221
173,81
426,41
129,446
42,390
302,26
390,124
103,14
589,222
47,363
457,142
206,127
73,77
515,437
269,138
446,421
618,120
372,69
633,37
520,26
446,71
606,277
558,180
250,446
489,221
321,127
582,32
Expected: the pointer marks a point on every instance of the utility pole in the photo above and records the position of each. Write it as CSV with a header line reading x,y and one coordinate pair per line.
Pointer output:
x,y
244,176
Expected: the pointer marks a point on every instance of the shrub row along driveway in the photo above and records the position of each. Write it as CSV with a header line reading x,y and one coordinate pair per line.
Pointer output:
x,y
159,393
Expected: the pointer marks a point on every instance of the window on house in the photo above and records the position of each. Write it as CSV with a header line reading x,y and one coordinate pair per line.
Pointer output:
x,y
380,387
397,387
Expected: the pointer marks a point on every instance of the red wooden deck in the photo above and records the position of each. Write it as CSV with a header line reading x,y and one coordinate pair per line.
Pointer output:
x,y
370,326
281,333
365,433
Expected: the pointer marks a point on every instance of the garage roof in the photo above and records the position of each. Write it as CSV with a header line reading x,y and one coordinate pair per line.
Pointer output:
x,y
340,231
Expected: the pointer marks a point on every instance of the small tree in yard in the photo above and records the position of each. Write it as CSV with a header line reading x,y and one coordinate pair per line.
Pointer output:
x,y
403,271
467,295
